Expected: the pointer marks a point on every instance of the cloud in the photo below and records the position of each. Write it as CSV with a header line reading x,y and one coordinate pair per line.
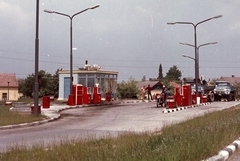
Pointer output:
x,y
14,17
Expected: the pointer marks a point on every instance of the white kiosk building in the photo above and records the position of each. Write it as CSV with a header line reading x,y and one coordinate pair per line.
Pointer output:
x,y
88,76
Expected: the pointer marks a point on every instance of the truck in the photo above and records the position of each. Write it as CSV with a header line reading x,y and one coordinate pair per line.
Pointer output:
x,y
223,89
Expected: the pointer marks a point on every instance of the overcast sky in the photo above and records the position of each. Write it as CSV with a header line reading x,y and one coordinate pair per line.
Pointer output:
x,y
128,36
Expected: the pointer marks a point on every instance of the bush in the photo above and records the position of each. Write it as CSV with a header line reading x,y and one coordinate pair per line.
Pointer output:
x,y
127,89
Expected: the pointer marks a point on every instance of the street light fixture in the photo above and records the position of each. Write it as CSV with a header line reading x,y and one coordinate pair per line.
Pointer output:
x,y
71,18
197,69
195,44
199,45
189,57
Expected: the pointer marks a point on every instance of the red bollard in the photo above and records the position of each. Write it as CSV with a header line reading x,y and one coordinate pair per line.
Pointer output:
x,y
46,102
32,109
71,100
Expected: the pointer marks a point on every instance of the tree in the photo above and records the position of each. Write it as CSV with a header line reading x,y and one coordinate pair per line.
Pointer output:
x,y
26,86
53,85
173,74
48,84
128,89
160,74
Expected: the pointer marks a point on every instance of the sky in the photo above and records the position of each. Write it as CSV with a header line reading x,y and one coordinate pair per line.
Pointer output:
x,y
128,36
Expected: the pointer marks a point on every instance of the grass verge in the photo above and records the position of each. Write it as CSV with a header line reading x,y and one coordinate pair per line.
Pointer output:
x,y
192,140
8,117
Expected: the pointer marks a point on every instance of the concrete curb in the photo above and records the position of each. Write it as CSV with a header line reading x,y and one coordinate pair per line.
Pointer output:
x,y
184,107
224,154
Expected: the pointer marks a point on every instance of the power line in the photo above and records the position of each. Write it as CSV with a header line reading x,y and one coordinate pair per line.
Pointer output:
x,y
124,60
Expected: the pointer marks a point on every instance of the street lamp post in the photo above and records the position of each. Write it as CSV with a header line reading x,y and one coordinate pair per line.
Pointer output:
x,y
8,91
195,43
71,18
36,84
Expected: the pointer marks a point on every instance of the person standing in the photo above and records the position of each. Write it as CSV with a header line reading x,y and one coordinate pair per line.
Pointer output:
x,y
142,93
149,89
166,95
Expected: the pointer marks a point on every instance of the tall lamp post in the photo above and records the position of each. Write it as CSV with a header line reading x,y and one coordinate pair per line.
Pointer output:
x,y
8,91
36,84
71,18
196,69
195,43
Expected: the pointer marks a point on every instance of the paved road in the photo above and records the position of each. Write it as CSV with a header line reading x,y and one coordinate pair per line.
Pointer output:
x,y
235,156
99,121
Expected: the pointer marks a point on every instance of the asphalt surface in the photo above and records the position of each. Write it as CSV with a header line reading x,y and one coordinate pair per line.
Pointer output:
x,y
102,121
235,156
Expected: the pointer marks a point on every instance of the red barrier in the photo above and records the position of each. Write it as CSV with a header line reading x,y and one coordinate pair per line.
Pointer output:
x,y
32,109
71,100
46,102
170,102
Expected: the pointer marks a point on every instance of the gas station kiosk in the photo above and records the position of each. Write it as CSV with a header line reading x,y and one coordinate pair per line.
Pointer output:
x,y
90,85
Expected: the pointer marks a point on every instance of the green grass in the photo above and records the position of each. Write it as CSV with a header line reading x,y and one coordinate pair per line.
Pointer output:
x,y
8,117
192,140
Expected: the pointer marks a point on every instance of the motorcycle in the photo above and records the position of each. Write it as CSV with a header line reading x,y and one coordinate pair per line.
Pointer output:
x,y
160,100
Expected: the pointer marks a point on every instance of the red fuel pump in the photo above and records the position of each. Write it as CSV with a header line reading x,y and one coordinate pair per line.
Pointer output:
x,y
86,96
108,96
71,100
96,95
79,94
187,95
71,97
178,96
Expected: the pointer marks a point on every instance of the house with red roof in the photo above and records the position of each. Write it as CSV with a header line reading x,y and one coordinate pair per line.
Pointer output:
x,y
233,79
8,87
156,85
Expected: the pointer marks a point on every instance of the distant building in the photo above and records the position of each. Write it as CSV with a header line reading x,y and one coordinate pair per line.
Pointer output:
x,y
233,79
9,87
157,86
88,76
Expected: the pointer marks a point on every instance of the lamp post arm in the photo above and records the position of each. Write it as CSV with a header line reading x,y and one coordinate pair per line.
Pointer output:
x,y
188,57
203,21
209,19
85,10
79,12
199,45
207,44
173,23
59,13
187,44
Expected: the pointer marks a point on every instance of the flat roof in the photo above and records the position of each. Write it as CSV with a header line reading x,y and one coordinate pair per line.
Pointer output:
x,y
87,72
